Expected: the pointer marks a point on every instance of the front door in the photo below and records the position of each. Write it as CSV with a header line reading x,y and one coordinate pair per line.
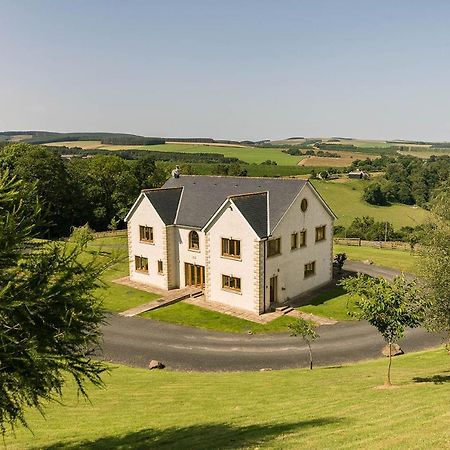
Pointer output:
x,y
194,275
273,289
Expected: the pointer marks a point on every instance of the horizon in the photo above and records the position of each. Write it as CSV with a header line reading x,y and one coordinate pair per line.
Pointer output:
x,y
240,71
230,138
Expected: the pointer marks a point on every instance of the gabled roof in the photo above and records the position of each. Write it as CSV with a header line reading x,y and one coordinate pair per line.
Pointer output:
x,y
203,195
254,208
165,201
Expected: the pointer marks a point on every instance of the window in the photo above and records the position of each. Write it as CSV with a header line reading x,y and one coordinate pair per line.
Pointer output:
x,y
145,233
141,264
231,248
274,247
310,269
303,238
194,241
320,233
294,241
233,283
160,266
304,205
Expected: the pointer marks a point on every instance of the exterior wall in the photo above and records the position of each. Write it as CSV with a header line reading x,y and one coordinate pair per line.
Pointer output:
x,y
289,265
146,215
230,224
172,265
185,255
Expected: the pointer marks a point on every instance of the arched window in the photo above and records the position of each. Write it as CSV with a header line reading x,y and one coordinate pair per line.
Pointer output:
x,y
194,241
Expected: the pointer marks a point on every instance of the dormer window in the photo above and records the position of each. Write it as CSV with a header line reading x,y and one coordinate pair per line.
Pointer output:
x,y
194,241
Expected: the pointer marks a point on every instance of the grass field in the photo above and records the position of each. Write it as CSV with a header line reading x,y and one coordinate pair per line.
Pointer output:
x,y
335,407
190,315
334,304
116,297
426,152
247,154
343,161
345,200
397,259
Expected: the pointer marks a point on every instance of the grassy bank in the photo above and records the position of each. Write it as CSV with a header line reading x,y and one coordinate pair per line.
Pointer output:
x,y
335,407
345,200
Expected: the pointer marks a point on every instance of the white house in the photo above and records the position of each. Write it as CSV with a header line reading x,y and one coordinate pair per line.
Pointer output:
x,y
247,242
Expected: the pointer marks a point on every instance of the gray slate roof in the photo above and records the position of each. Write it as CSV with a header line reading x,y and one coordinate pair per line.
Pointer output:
x,y
254,208
203,195
165,201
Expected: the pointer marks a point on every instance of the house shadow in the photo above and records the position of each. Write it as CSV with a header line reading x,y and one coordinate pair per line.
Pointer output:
x,y
219,436
436,379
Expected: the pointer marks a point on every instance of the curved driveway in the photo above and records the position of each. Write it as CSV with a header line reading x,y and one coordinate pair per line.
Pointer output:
x,y
135,340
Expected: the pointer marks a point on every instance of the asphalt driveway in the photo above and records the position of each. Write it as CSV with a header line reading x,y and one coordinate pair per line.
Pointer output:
x,y
135,340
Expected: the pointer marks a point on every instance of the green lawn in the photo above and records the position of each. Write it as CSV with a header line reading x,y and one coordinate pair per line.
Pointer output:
x,y
334,304
117,297
190,315
346,202
335,407
396,259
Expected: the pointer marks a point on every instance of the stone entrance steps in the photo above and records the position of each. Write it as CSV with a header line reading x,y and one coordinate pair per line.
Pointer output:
x,y
284,309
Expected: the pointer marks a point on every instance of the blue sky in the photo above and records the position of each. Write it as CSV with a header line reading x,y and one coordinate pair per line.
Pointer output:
x,y
227,69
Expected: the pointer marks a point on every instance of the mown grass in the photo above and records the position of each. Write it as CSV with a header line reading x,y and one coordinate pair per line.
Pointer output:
x,y
396,259
334,304
116,297
335,407
346,202
194,316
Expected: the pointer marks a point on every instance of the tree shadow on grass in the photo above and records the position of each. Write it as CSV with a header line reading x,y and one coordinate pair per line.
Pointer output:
x,y
436,379
323,297
219,436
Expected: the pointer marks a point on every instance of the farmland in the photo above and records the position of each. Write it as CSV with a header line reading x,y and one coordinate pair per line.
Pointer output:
x,y
332,407
345,160
247,154
345,200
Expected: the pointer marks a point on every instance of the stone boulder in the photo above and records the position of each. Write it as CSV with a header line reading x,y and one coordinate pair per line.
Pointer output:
x,y
153,364
395,350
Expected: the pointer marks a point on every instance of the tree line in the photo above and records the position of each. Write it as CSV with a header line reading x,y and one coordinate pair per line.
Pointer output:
x,y
408,180
97,190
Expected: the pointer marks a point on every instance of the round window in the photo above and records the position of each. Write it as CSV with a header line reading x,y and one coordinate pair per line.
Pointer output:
x,y
304,205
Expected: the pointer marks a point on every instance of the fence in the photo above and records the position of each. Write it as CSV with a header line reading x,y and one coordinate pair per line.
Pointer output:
x,y
113,233
391,245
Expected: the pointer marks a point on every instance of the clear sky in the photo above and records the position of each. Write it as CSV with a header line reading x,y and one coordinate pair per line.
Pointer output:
x,y
227,68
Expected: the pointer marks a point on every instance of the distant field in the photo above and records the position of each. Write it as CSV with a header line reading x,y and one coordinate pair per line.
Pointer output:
x,y
426,153
344,161
247,154
345,200
253,170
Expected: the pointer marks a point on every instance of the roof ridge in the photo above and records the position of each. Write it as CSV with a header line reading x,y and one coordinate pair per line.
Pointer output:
x,y
160,189
248,194
290,178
